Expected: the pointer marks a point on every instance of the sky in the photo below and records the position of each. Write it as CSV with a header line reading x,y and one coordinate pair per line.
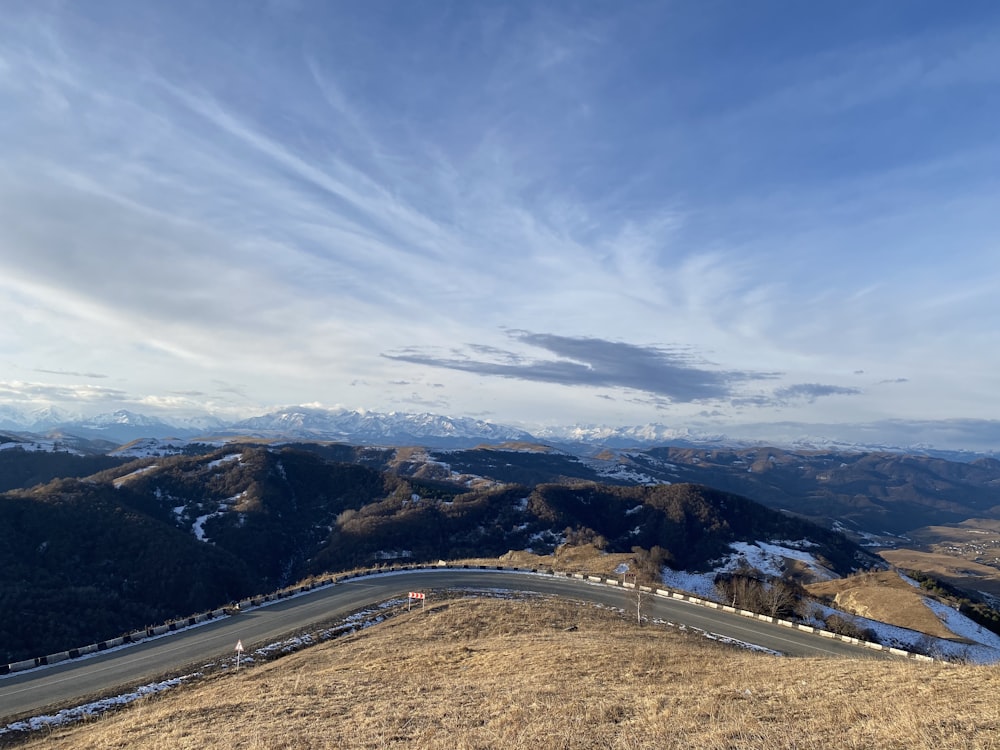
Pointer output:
x,y
715,215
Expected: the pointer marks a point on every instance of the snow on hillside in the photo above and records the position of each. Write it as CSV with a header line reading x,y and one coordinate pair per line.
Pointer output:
x,y
238,457
160,447
620,472
36,444
225,506
984,648
24,445
123,479
768,558
962,626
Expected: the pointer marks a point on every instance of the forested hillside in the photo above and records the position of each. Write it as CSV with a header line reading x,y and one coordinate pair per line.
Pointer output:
x,y
20,468
77,564
161,537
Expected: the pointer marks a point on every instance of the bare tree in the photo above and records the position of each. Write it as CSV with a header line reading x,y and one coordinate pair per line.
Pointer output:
x,y
778,599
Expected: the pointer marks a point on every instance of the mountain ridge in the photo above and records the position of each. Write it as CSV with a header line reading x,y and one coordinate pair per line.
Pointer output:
x,y
361,426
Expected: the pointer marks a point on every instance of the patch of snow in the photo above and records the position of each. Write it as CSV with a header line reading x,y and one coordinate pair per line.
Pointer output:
x,y
393,554
621,472
633,511
198,527
766,557
754,556
39,446
121,480
699,584
90,710
158,447
740,644
962,626
917,642
769,559
548,536
549,539
225,459
795,543
234,499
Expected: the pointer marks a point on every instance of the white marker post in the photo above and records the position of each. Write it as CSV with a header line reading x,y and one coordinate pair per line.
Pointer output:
x,y
415,595
239,653
638,594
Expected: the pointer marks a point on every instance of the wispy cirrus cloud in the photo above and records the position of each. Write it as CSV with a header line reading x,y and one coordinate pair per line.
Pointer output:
x,y
72,374
809,392
279,205
20,391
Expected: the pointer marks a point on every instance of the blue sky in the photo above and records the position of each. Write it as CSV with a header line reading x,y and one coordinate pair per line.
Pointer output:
x,y
715,215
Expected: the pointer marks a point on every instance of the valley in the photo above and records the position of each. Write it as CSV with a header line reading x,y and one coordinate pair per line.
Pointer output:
x,y
162,528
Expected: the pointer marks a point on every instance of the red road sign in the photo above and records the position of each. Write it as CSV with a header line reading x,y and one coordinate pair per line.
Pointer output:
x,y
416,595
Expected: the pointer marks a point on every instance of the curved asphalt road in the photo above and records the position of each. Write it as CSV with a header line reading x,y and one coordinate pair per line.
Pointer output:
x,y
30,693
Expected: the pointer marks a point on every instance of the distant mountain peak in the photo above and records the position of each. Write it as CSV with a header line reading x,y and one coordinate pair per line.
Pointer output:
x,y
124,417
309,422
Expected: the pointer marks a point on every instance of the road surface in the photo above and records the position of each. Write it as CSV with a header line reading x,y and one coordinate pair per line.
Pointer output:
x,y
36,691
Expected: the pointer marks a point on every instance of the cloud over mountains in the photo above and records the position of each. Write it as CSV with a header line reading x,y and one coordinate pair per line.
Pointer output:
x,y
699,212
672,373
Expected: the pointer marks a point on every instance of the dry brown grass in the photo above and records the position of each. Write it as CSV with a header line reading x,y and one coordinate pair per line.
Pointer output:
x,y
885,597
954,569
539,674
568,558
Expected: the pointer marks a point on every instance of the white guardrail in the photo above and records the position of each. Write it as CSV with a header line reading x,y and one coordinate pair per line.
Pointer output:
x,y
255,601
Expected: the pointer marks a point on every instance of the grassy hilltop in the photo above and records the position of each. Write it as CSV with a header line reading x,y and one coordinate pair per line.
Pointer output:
x,y
533,673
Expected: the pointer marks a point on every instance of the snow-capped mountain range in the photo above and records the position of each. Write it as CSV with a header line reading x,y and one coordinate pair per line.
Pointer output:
x,y
374,427
292,423
364,427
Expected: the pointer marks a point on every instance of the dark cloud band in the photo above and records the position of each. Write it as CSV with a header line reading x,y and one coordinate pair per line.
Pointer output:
x,y
673,373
